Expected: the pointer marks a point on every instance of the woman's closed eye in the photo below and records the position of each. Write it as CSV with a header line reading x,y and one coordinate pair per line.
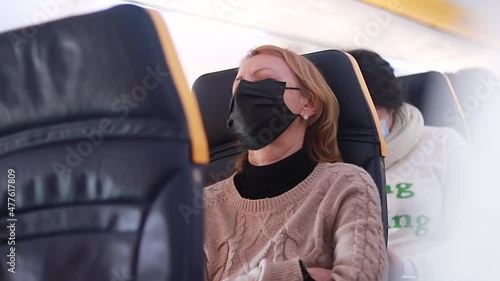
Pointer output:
x,y
268,79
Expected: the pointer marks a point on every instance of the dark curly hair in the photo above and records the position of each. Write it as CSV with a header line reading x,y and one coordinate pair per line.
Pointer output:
x,y
379,76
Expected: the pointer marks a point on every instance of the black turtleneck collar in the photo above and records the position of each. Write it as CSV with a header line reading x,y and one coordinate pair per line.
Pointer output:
x,y
258,182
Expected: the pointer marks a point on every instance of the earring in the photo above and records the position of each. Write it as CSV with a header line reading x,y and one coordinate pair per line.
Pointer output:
x,y
305,117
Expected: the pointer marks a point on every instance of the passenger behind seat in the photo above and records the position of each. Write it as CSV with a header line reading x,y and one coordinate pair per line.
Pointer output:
x,y
419,176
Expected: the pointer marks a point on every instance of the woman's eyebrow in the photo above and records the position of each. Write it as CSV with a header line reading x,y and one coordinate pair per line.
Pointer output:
x,y
261,69
238,78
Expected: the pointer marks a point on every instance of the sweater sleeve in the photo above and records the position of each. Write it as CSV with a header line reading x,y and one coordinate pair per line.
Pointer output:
x,y
268,271
359,246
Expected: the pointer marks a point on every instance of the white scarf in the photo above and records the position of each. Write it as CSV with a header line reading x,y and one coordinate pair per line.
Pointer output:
x,y
407,128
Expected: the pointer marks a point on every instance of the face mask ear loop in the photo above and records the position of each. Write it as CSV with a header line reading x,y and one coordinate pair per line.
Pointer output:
x,y
298,115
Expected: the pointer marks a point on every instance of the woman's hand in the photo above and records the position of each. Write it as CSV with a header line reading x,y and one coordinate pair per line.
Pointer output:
x,y
396,266
320,274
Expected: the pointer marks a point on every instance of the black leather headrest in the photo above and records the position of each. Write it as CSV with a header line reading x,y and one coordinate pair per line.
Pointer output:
x,y
337,69
64,72
432,93
213,90
99,124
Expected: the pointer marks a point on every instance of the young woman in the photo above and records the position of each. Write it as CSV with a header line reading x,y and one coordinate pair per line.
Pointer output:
x,y
419,176
293,210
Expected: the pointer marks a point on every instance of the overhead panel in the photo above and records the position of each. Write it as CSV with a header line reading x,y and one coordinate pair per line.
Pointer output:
x,y
438,14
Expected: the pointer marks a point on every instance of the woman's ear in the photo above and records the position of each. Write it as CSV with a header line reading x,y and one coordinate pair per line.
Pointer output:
x,y
310,108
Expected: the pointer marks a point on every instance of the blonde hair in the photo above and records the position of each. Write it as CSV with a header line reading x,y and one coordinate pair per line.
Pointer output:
x,y
321,134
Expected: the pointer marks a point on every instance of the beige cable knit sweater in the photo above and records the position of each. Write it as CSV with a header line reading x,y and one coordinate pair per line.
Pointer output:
x,y
331,220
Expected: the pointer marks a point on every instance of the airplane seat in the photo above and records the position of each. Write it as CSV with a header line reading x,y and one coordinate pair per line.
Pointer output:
x,y
102,141
432,93
213,91
359,137
476,90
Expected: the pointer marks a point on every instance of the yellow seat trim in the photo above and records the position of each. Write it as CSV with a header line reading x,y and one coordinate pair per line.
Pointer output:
x,y
371,105
198,138
459,107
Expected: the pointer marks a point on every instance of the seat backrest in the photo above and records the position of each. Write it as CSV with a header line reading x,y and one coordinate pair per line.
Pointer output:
x,y
359,137
476,90
432,93
102,140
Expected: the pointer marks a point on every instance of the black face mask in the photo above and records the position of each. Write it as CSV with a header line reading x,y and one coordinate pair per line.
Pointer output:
x,y
258,114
